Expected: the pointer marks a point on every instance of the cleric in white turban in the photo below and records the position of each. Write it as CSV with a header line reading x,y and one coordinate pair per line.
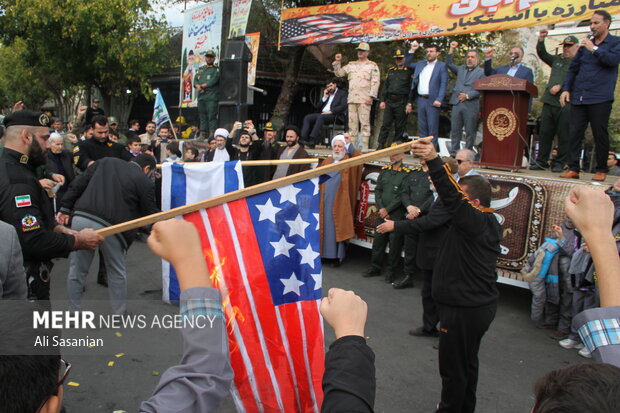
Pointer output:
x,y
337,208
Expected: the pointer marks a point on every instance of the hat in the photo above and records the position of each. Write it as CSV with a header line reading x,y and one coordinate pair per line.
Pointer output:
x,y
221,132
210,53
95,100
339,138
244,132
398,54
570,40
112,120
27,118
363,46
293,128
269,127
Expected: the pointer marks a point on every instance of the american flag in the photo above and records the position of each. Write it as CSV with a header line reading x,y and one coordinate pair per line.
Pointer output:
x,y
263,254
313,29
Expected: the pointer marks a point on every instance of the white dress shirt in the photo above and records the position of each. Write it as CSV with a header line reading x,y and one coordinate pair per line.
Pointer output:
x,y
425,78
330,99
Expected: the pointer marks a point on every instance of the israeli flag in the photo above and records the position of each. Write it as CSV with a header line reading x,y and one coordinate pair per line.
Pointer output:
x,y
188,183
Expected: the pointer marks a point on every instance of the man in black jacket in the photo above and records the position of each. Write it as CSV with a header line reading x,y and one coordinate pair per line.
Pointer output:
x,y
111,191
333,102
99,146
27,207
464,278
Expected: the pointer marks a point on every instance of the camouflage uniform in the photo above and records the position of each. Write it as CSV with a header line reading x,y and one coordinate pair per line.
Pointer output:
x,y
364,81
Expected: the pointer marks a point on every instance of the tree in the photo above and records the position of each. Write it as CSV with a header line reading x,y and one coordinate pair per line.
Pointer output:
x,y
114,45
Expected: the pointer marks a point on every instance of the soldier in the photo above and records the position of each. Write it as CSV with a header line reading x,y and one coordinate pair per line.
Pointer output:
x,y
25,205
394,100
554,119
113,122
206,83
416,197
364,79
388,200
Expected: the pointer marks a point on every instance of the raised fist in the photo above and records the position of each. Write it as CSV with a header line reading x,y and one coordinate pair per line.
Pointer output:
x,y
542,34
489,53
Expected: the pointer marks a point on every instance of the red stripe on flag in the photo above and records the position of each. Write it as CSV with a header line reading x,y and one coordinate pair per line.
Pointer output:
x,y
292,326
236,359
255,269
315,346
239,300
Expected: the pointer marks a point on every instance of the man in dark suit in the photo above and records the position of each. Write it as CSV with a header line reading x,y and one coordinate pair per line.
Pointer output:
x,y
333,102
514,69
430,81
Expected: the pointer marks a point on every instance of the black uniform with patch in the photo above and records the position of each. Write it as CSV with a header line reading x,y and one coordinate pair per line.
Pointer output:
x,y
25,205
395,94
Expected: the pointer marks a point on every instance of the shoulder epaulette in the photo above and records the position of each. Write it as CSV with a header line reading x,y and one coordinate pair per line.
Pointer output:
x,y
386,167
404,168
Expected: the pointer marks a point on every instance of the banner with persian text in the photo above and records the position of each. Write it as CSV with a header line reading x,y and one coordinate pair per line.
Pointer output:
x,y
202,31
239,18
385,20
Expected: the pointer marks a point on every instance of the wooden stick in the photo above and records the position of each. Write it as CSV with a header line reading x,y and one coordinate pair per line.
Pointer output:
x,y
266,162
253,190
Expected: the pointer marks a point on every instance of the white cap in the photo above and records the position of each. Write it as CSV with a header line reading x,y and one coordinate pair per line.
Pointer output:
x,y
221,132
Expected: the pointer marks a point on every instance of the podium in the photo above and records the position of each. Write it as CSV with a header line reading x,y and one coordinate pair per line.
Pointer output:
x,y
505,108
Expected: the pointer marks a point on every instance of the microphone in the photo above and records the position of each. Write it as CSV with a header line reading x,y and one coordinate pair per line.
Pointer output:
x,y
513,59
591,36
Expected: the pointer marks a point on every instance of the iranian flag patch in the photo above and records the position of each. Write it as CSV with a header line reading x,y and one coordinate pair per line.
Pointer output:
x,y
22,201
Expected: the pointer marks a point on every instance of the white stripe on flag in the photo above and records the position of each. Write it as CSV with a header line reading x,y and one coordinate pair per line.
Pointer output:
x,y
288,355
306,361
224,291
165,280
166,184
250,295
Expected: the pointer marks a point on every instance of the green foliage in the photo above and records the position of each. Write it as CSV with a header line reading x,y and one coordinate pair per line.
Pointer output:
x,y
18,80
112,44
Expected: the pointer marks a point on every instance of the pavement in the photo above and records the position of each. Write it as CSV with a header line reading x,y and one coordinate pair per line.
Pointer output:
x,y
513,355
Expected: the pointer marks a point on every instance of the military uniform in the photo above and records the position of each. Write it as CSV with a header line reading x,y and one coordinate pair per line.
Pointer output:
x,y
25,205
416,192
395,94
364,79
388,195
209,97
554,119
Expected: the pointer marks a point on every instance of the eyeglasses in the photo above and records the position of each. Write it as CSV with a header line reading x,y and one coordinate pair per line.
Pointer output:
x,y
63,373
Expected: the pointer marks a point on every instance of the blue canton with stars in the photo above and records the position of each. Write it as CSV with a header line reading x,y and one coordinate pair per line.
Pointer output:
x,y
286,223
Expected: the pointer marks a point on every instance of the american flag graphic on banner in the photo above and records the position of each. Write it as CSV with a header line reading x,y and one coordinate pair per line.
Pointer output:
x,y
313,29
263,254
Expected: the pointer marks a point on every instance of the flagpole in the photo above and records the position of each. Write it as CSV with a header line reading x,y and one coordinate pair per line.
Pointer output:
x,y
264,162
253,190
174,133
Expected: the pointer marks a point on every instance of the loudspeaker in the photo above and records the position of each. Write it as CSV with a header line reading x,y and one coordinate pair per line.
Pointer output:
x,y
233,82
228,114
237,50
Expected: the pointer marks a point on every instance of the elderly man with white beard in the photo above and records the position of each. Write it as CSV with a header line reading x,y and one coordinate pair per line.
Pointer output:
x,y
338,197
